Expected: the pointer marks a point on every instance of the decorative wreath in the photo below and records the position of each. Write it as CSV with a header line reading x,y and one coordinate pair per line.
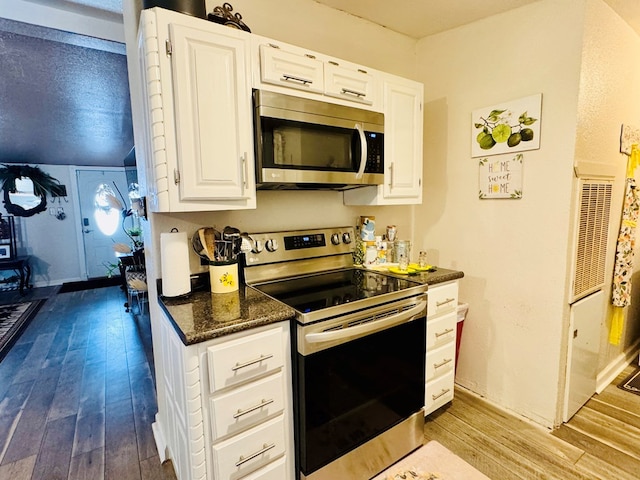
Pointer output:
x,y
43,184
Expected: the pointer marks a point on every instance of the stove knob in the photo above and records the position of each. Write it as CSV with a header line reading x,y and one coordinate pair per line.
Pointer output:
x,y
335,238
258,246
272,245
346,237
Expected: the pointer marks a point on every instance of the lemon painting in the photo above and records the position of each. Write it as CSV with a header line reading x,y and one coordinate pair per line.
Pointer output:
x,y
511,127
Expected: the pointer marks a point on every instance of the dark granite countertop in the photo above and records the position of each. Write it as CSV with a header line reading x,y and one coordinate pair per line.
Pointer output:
x,y
203,315
439,275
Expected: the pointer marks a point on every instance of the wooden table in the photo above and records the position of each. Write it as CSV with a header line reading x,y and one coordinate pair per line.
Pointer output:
x,y
21,266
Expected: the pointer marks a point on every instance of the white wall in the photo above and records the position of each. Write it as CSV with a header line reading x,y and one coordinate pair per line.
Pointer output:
x,y
65,16
610,97
52,243
513,252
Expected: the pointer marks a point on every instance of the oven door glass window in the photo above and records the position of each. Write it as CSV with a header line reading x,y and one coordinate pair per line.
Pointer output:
x,y
350,393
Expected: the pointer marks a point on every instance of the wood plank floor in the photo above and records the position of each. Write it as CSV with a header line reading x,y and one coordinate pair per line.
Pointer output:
x,y
602,441
77,400
77,394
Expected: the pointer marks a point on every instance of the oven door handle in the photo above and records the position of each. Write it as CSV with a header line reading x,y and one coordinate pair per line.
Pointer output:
x,y
363,151
370,327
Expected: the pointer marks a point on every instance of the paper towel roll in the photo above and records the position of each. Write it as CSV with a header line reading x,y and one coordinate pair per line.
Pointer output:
x,y
174,258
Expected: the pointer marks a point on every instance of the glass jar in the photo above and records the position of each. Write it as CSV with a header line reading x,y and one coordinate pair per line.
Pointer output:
x,y
402,248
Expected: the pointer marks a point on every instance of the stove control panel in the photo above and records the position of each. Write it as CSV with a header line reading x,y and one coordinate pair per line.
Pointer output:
x,y
272,247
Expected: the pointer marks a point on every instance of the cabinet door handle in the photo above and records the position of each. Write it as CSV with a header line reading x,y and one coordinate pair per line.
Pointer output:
x,y
290,78
446,332
244,170
239,366
391,175
438,395
346,91
444,302
443,363
263,403
265,448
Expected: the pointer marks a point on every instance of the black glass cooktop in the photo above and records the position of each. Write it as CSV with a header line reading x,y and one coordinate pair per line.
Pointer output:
x,y
313,293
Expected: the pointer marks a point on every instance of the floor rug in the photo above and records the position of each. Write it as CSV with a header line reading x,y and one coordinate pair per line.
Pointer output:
x,y
431,462
632,383
13,320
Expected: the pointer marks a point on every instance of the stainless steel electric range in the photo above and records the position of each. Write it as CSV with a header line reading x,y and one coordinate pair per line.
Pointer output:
x,y
358,352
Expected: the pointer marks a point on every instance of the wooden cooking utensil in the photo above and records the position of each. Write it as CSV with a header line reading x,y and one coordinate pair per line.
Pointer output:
x,y
210,242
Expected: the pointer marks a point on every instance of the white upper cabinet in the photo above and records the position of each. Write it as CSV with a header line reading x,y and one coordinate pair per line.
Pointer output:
x,y
403,120
357,85
313,75
197,77
291,70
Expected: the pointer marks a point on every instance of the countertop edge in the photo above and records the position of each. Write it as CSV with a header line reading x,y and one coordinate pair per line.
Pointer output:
x,y
266,310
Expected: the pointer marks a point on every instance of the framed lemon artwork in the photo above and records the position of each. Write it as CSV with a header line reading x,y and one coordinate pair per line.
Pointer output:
x,y
509,127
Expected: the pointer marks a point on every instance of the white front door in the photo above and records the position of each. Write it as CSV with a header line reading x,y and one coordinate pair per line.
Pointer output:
x,y
102,227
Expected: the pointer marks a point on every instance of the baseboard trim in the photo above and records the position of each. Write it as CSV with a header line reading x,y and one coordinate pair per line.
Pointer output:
x,y
617,365
161,444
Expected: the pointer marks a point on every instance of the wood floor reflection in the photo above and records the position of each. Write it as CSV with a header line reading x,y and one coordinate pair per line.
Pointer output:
x,y
77,394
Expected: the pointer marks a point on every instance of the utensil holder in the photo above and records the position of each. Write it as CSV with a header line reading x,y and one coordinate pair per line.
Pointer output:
x,y
223,276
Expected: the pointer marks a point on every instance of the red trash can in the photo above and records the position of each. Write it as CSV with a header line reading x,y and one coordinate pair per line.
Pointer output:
x,y
463,308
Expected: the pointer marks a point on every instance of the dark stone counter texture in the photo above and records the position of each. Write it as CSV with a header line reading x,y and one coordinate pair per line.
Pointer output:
x,y
202,315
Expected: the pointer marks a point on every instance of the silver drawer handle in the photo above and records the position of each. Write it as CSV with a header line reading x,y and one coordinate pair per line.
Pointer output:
x,y
291,78
444,302
442,364
265,448
263,403
446,332
238,366
346,91
443,392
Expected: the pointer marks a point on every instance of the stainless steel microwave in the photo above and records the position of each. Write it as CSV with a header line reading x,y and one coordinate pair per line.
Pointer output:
x,y
302,143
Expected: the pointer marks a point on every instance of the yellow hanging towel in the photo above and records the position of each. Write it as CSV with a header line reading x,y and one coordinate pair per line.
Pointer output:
x,y
617,324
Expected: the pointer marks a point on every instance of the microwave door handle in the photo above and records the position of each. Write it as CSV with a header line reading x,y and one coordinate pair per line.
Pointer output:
x,y
363,150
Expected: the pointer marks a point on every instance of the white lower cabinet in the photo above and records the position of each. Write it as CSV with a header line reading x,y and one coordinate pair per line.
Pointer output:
x,y
250,450
441,345
227,406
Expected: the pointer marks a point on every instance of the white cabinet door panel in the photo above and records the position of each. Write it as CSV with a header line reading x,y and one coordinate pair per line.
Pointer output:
x,y
249,451
353,85
291,70
213,114
246,406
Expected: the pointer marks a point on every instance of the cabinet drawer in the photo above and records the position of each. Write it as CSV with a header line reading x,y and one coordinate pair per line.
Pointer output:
x,y
441,361
287,69
246,406
442,299
354,85
245,358
249,451
438,392
441,331
274,471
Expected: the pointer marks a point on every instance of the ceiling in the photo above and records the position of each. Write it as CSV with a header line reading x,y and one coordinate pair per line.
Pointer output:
x,y
64,97
420,18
